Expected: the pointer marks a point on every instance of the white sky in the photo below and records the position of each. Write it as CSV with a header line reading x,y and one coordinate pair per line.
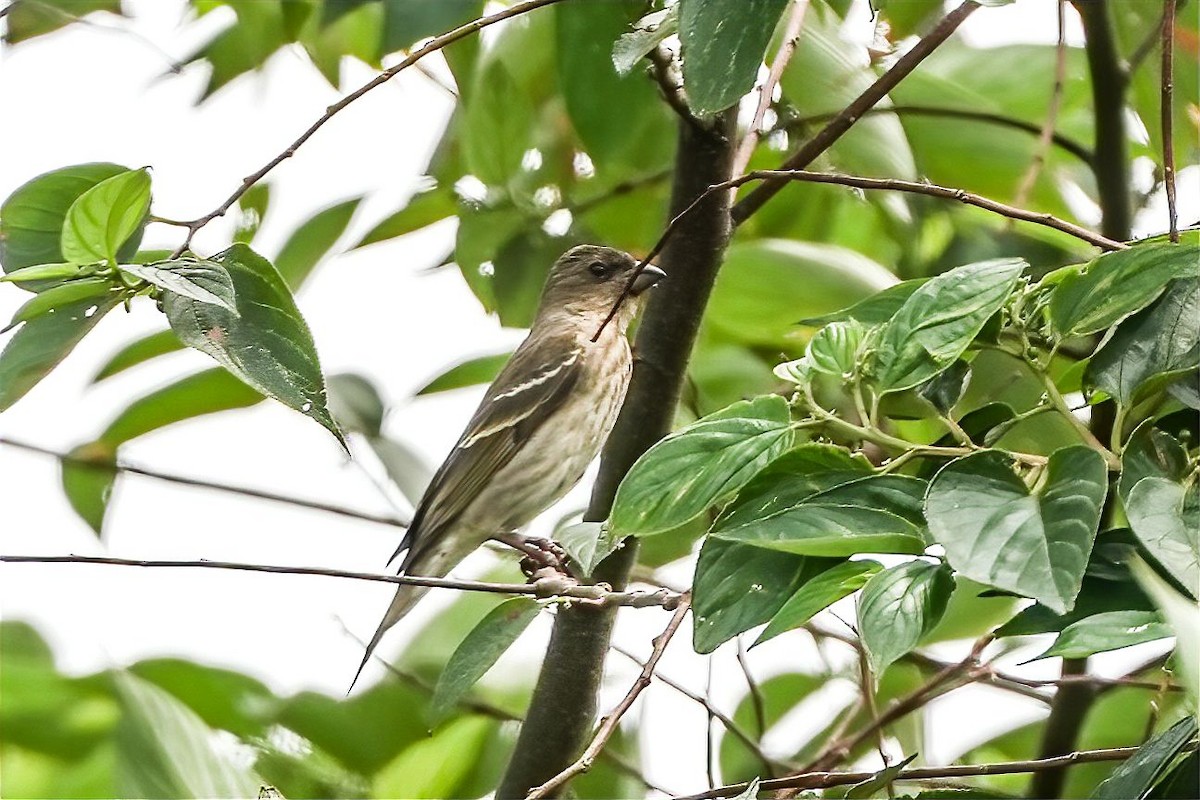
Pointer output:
x,y
94,93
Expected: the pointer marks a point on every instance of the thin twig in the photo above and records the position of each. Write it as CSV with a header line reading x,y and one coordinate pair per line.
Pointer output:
x,y
791,38
1168,136
551,588
710,739
737,731
608,725
434,45
824,780
1047,135
667,76
758,702
833,131
200,483
867,687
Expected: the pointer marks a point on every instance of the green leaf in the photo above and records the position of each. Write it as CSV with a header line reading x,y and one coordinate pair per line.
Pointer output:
x,y
267,344
899,606
818,594
647,33
874,310
940,320
56,298
724,42
750,793
137,352
198,279
253,206
38,346
29,18
498,126
404,467
588,543
408,21
454,750
1165,518
1134,778
1183,615
88,486
1118,284
204,392
105,217
1163,338
165,750
222,698
356,404
879,781
765,285
737,587
422,209
693,469
944,390
997,532
472,372
312,240
47,272
1113,630
789,480
486,642
31,219
875,514
1150,453
834,349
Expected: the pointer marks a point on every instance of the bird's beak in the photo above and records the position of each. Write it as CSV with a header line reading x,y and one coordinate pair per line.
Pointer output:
x,y
649,276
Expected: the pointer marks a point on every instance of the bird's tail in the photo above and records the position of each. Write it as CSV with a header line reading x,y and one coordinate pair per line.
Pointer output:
x,y
406,597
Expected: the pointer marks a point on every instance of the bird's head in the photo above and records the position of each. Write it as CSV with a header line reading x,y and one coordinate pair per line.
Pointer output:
x,y
588,279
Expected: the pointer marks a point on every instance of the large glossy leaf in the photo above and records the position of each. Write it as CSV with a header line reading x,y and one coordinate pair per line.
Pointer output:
x,y
1165,517
41,343
737,587
267,344
1111,630
899,606
1133,779
104,217
693,469
875,514
998,532
197,279
1161,339
1115,285
165,750
31,219
312,240
818,594
937,323
767,285
723,45
476,654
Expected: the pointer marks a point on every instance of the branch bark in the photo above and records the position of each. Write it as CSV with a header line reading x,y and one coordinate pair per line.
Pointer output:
x,y
564,702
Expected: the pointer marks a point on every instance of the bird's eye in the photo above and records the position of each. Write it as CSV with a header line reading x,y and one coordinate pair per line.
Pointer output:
x,y
598,268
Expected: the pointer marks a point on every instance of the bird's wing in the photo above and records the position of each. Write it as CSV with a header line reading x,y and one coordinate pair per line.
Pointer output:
x,y
527,391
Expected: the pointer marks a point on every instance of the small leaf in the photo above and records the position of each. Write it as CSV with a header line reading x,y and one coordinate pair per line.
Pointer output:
x,y
53,299
648,33
253,205
750,792
198,279
691,470
104,217
1118,284
137,352
588,543
1165,518
472,372
486,642
404,467
1133,779
879,781
312,240
88,478
44,341
899,606
1113,630
41,272
724,42
944,390
1150,453
874,310
356,404
940,320
834,349
421,210
997,532
818,594
267,344
737,587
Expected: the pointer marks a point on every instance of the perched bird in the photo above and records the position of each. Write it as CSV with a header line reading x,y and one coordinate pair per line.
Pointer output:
x,y
540,424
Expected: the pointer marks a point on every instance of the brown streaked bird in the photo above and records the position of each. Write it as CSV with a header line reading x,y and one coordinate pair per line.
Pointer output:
x,y
540,424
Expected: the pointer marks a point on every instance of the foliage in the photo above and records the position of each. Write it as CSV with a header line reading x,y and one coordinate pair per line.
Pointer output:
x,y
960,427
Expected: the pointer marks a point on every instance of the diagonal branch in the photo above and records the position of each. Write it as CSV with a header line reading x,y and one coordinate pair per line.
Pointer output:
x,y
608,726
548,588
434,45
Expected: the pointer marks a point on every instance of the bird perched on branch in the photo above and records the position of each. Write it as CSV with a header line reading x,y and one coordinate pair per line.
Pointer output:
x,y
540,424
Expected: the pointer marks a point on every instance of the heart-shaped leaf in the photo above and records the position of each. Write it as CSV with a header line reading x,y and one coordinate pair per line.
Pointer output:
x,y
899,606
266,343
1165,517
996,531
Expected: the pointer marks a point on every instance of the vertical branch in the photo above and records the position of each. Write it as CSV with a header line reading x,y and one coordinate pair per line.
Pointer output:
x,y
564,701
1046,137
1168,138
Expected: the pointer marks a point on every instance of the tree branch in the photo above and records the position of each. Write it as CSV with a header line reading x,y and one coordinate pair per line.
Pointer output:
x,y
200,483
1168,137
824,780
549,588
435,44
608,725
851,113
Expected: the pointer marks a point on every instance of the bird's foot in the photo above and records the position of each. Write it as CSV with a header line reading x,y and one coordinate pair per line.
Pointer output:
x,y
540,554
